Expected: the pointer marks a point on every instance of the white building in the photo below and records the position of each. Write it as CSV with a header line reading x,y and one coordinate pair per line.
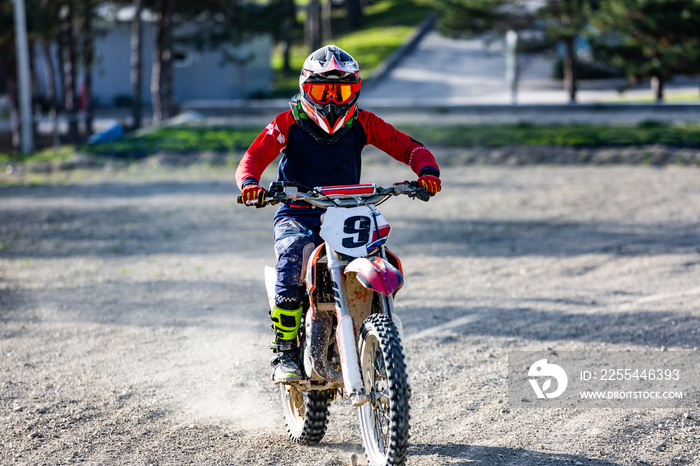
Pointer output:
x,y
227,73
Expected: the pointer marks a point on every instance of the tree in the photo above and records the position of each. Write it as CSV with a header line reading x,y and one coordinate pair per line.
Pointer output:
x,y
70,25
44,29
313,25
135,62
654,39
162,74
354,14
565,21
8,64
86,19
473,18
205,24
68,61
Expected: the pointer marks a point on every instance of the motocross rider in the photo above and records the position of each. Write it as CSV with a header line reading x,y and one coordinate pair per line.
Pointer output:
x,y
320,140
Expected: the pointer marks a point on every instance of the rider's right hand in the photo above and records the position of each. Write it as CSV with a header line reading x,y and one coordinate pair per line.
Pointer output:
x,y
254,194
430,183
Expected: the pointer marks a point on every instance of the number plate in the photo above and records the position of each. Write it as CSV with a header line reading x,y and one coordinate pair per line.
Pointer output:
x,y
350,231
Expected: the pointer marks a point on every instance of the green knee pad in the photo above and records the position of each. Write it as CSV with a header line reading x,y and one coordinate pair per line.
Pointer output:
x,y
286,322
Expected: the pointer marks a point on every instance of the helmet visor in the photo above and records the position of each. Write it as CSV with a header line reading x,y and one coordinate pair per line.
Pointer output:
x,y
324,93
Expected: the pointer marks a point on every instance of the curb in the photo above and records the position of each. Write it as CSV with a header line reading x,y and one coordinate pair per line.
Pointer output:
x,y
397,55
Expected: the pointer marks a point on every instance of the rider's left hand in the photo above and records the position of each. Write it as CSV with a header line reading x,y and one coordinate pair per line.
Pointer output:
x,y
430,183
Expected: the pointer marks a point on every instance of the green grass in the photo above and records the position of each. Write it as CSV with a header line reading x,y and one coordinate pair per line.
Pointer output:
x,y
684,97
188,141
46,155
181,140
386,25
558,135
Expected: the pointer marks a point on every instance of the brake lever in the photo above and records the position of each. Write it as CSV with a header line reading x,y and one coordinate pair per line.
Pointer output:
x,y
419,192
422,194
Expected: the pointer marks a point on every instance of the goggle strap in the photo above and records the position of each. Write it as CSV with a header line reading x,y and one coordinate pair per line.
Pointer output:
x,y
299,112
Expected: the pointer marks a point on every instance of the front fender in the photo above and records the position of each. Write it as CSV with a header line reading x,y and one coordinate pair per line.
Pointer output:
x,y
376,274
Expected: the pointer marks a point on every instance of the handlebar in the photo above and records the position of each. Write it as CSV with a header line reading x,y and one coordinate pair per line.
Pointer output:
x,y
278,192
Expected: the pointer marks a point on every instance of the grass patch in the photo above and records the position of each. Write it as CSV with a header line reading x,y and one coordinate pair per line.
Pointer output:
x,y
192,142
558,135
683,97
46,155
386,25
181,140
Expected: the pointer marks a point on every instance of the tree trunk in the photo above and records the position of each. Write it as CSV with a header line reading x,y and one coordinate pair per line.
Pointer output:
x,y
36,137
162,79
286,52
512,65
327,19
88,61
12,100
313,25
60,53
354,14
70,103
570,78
51,90
657,86
136,74
286,36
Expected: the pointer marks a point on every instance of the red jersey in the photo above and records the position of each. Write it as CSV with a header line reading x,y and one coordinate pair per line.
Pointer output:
x,y
307,162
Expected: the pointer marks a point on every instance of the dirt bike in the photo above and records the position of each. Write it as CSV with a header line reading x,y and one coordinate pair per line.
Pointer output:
x,y
350,339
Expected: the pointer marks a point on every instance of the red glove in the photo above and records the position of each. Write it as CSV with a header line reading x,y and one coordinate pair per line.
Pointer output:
x,y
254,192
430,183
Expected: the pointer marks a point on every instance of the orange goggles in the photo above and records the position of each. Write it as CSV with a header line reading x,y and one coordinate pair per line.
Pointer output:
x,y
323,93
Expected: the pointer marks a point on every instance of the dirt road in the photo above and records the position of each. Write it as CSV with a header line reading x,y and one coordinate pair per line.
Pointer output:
x,y
134,330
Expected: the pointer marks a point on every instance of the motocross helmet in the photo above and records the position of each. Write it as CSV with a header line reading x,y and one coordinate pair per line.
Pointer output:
x,y
329,86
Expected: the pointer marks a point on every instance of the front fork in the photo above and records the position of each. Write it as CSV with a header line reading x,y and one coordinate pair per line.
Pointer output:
x,y
345,333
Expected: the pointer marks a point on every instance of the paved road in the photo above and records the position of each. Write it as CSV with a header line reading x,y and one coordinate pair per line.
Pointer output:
x,y
467,72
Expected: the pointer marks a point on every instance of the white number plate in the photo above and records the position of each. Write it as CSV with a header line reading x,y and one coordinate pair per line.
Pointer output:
x,y
350,231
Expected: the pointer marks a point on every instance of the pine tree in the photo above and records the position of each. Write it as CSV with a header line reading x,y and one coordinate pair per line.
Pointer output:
x,y
654,39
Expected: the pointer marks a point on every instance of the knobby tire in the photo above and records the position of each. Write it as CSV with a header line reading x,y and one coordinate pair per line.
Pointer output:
x,y
305,413
385,432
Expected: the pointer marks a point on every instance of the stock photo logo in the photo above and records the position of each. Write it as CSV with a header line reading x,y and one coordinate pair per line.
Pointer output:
x,y
545,371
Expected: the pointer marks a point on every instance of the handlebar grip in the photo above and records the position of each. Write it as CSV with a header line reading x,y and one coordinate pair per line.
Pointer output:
x,y
239,200
255,203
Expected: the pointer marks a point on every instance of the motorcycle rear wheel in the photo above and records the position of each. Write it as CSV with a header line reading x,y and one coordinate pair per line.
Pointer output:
x,y
384,421
305,413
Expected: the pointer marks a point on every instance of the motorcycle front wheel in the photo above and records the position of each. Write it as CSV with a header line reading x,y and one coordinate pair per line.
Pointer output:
x,y
384,420
305,413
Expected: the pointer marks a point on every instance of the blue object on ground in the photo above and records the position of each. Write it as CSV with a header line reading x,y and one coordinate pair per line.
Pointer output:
x,y
113,132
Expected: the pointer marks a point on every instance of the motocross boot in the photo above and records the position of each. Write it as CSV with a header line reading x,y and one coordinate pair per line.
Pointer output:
x,y
286,358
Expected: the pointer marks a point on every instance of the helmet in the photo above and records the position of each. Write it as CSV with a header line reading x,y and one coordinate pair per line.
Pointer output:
x,y
329,86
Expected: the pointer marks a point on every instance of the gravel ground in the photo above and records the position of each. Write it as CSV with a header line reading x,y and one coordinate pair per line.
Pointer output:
x,y
134,330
